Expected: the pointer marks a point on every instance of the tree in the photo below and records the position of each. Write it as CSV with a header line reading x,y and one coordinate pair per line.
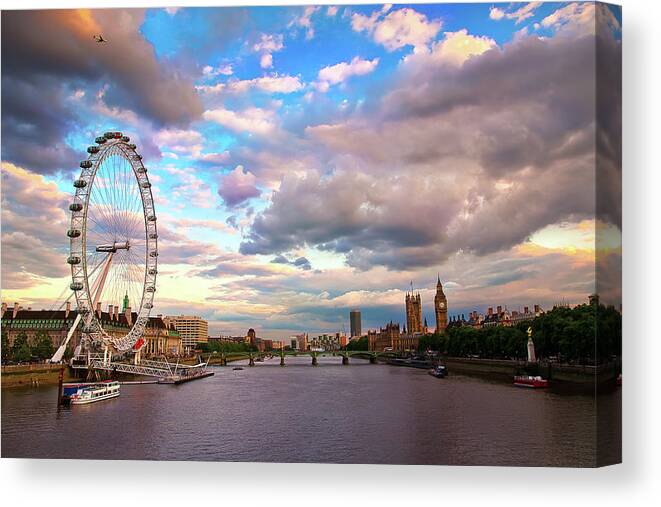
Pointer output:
x,y
359,344
43,345
20,350
6,349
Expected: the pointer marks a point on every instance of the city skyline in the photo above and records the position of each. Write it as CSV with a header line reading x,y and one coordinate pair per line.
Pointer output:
x,y
302,164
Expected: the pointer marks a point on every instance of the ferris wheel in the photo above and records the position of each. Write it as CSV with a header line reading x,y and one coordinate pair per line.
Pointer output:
x,y
113,245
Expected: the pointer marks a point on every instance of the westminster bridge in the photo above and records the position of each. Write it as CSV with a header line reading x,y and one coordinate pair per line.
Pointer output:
x,y
223,358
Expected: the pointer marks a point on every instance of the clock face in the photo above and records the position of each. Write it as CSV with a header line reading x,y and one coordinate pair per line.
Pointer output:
x,y
442,305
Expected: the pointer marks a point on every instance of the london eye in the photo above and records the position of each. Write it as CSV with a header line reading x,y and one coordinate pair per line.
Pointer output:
x,y
113,245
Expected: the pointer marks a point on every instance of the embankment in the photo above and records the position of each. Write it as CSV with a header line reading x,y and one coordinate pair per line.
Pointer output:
x,y
35,374
576,374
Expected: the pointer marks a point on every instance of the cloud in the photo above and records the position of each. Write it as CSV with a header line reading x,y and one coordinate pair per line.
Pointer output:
x,y
44,50
496,14
305,21
237,187
572,19
519,15
331,11
223,70
35,119
400,28
34,222
187,189
253,120
275,83
266,61
455,48
300,262
188,142
58,43
338,73
493,152
267,45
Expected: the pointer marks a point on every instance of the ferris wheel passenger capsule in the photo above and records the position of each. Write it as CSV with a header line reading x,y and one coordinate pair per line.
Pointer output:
x,y
76,286
132,146
151,218
100,140
151,288
153,254
153,235
73,259
145,184
73,233
108,135
148,306
142,170
92,149
86,164
137,157
76,206
80,183
152,271
126,139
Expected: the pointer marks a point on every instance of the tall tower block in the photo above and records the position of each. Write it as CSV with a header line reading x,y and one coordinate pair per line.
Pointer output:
x,y
440,307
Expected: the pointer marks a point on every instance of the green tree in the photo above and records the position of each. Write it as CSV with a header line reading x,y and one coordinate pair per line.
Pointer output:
x,y
359,344
20,350
43,345
6,349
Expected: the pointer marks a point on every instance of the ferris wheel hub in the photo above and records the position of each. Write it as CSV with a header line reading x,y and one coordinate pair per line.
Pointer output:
x,y
112,248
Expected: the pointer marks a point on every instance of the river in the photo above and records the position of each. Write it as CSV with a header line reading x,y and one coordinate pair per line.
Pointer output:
x,y
361,413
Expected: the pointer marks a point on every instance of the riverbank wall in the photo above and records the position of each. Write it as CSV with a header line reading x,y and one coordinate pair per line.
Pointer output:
x,y
569,373
35,374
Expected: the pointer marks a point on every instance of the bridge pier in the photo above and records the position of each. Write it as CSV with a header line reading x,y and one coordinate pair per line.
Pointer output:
x,y
282,360
251,362
345,360
372,359
314,360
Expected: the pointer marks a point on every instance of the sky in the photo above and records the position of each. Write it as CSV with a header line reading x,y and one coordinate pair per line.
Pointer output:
x,y
309,160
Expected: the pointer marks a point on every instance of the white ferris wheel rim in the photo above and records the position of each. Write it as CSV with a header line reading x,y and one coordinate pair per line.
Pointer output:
x,y
110,144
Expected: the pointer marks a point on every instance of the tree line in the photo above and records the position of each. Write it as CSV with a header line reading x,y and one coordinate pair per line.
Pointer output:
x,y
22,351
225,347
585,334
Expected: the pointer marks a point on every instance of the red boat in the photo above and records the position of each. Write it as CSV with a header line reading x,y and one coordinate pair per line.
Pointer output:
x,y
530,381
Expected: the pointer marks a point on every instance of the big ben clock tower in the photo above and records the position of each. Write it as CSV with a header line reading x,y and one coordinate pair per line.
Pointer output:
x,y
441,307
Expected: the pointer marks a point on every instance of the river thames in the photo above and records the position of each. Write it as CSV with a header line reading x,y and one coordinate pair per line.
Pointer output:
x,y
360,413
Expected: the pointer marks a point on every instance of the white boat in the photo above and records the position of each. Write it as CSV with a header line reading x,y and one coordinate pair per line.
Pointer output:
x,y
97,392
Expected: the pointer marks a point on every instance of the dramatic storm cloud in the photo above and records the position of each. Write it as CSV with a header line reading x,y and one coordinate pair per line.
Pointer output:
x,y
309,160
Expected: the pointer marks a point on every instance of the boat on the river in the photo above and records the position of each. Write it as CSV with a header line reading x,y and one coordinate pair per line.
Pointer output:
x,y
97,392
411,362
439,371
530,381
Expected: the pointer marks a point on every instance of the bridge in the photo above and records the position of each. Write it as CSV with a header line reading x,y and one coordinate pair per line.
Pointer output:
x,y
222,358
96,363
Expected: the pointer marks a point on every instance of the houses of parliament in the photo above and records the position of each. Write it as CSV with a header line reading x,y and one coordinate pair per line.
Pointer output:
x,y
391,337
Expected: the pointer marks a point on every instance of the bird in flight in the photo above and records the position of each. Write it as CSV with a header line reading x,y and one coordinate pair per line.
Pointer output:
x,y
99,38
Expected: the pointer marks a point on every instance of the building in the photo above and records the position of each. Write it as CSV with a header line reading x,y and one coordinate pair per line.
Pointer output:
x,y
440,307
413,312
327,342
299,341
386,338
192,329
355,322
161,337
